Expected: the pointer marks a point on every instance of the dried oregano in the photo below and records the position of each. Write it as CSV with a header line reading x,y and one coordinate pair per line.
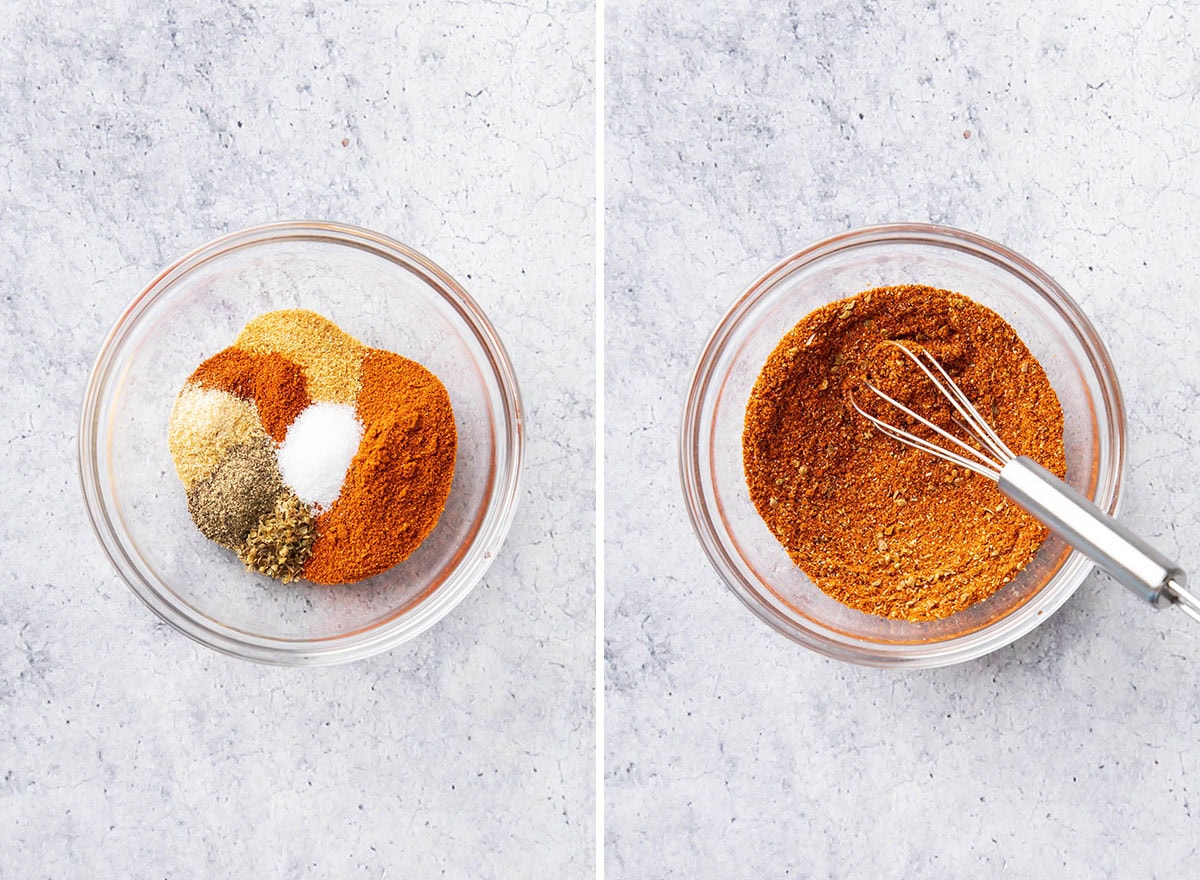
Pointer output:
x,y
282,541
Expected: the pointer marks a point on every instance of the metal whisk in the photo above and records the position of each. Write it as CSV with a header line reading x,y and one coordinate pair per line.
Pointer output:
x,y
1068,514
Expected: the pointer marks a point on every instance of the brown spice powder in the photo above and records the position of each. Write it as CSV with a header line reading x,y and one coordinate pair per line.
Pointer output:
x,y
878,526
229,503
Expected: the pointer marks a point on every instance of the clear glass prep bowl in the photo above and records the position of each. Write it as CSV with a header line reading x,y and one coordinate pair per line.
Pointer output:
x,y
381,292
739,544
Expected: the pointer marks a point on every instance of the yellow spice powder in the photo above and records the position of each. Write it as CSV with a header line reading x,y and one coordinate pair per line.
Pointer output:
x,y
330,357
204,425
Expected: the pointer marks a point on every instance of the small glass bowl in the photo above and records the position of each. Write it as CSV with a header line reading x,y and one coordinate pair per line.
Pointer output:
x,y
381,292
737,541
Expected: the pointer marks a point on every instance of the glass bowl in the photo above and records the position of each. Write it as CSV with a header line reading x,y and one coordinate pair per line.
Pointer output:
x,y
737,541
376,289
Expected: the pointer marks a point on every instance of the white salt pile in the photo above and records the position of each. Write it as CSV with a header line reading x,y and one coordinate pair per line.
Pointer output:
x,y
317,451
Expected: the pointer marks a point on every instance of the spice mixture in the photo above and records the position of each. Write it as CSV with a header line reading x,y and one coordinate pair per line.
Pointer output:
x,y
311,455
881,527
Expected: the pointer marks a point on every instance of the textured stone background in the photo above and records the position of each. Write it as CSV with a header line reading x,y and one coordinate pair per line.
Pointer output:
x,y
739,132
131,134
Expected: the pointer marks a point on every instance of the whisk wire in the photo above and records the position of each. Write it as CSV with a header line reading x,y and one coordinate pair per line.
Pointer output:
x,y
979,427
990,450
988,468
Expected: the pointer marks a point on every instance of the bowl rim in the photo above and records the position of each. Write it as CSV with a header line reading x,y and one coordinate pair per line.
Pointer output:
x,y
696,482
393,629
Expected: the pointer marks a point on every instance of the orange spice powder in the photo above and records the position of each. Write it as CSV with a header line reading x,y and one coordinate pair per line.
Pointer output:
x,y
276,385
399,480
879,526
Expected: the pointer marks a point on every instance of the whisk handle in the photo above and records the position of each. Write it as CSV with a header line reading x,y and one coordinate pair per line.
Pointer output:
x,y
1084,526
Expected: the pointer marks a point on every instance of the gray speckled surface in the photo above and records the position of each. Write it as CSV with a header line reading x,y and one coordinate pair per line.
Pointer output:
x,y
130,137
742,131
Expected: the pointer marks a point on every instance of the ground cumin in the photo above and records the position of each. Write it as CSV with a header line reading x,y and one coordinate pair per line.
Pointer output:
x,y
400,478
876,525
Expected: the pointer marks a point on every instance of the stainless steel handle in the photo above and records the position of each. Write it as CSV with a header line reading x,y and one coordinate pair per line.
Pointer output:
x,y
1087,528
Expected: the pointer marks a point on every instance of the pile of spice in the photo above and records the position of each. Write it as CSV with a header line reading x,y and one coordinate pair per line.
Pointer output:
x,y
881,527
311,455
